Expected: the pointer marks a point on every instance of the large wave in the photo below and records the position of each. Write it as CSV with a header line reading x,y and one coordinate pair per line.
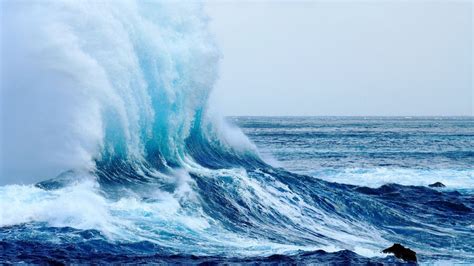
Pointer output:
x,y
108,102
94,82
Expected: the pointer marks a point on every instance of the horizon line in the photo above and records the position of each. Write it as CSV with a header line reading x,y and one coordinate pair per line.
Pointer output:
x,y
404,116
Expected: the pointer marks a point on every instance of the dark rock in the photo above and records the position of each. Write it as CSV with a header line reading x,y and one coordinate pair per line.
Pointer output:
x,y
401,252
437,184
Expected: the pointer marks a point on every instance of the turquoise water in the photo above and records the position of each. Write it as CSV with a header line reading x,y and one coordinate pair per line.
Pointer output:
x,y
109,154
243,210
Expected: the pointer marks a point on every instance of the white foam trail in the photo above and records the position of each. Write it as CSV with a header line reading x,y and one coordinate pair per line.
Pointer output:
x,y
163,219
80,206
376,177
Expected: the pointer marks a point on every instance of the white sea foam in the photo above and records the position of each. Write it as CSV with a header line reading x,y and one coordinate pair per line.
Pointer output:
x,y
376,177
81,79
80,206
89,78
162,219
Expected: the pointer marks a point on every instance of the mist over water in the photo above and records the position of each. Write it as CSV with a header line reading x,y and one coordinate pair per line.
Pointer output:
x,y
109,150
87,80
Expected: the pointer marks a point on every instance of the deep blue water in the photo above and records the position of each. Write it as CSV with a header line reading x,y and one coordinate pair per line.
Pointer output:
x,y
110,153
349,186
370,151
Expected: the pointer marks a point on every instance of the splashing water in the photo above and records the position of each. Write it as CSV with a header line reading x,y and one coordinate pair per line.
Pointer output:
x,y
107,142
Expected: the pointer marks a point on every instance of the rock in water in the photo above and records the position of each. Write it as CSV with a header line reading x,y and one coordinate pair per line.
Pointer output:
x,y
401,252
437,184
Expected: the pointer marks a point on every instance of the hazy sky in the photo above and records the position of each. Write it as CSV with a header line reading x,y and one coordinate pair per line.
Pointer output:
x,y
344,58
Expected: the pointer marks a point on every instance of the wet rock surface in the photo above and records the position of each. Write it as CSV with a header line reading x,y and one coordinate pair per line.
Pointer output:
x,y
401,252
437,185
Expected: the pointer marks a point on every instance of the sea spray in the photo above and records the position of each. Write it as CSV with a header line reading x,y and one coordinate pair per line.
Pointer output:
x,y
106,103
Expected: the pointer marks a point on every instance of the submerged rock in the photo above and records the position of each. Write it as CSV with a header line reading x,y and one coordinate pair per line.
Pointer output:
x,y
401,252
437,184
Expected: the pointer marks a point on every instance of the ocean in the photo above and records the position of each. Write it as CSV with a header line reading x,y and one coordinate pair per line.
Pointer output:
x,y
335,190
369,151
111,152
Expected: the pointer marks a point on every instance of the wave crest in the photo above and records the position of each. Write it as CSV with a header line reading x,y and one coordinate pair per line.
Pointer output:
x,y
107,81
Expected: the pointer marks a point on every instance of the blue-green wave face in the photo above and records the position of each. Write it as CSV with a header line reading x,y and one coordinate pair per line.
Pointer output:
x,y
109,148
97,82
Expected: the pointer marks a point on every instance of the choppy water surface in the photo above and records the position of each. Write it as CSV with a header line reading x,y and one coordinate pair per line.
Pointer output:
x,y
248,211
109,154
370,151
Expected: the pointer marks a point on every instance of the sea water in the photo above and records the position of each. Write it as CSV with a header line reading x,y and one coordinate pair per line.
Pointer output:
x,y
110,153
370,151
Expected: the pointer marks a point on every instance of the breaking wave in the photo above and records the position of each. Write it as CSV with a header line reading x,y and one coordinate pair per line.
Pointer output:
x,y
106,133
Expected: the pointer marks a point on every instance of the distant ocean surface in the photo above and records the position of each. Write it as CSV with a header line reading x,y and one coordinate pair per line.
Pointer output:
x,y
369,151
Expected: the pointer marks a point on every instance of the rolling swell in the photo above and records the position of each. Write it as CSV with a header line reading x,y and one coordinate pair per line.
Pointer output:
x,y
150,174
291,214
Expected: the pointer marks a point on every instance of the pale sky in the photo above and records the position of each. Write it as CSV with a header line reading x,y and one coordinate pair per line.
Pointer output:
x,y
344,58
